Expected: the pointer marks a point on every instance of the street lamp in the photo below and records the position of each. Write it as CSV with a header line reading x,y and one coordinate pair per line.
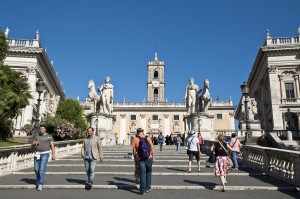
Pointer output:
x,y
40,89
96,123
199,123
245,91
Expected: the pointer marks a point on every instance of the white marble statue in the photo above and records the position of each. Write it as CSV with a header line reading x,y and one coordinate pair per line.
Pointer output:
x,y
93,96
252,109
204,99
107,96
191,93
6,32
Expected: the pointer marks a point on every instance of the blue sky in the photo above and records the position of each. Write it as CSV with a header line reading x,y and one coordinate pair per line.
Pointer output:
x,y
216,40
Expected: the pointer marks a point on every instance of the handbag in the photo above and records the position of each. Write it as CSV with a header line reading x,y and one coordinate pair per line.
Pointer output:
x,y
212,158
229,162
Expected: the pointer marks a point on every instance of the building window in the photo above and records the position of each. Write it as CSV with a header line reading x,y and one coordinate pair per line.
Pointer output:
x,y
176,117
219,116
156,94
132,117
155,75
289,90
155,117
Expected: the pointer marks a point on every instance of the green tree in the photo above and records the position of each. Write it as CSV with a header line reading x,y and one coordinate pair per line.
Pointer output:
x,y
68,122
72,111
3,47
14,92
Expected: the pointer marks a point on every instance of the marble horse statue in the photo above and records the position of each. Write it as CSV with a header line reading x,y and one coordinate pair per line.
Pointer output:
x,y
204,99
94,97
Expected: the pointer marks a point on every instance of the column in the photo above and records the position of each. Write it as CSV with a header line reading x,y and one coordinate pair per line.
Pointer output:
x,y
275,98
232,123
28,111
123,128
282,90
167,124
296,77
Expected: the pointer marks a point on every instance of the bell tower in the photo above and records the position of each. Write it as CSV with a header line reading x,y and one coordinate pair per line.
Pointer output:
x,y
156,80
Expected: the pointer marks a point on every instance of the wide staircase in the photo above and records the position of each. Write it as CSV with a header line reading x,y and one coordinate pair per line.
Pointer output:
x,y
114,178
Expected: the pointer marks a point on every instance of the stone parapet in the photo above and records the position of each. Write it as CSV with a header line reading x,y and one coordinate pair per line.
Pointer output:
x,y
277,163
21,157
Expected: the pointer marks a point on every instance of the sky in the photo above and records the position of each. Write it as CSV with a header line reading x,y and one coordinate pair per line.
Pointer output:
x,y
216,40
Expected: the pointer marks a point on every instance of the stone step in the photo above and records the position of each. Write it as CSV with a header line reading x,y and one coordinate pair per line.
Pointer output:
x,y
118,173
157,180
158,187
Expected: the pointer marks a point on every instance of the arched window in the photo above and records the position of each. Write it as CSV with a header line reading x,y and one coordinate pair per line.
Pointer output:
x,y
155,75
155,94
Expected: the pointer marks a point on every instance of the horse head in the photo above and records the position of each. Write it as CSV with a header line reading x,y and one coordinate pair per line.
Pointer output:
x,y
91,84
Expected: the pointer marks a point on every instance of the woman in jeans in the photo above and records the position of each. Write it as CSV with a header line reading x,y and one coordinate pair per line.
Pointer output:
x,y
221,169
236,147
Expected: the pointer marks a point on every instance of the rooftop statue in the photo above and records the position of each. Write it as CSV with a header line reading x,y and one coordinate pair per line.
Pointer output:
x,y
107,96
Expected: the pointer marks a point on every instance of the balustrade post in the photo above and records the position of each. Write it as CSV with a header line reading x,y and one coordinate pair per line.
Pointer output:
x,y
297,171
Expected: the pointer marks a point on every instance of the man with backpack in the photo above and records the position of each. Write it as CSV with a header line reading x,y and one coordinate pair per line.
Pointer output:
x,y
143,151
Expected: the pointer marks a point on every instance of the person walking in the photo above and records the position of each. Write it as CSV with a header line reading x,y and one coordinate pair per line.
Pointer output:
x,y
236,146
42,144
160,141
178,141
221,165
136,166
91,151
201,141
143,151
193,149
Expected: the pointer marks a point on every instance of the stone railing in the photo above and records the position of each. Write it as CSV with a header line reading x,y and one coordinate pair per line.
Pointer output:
x,y
225,132
286,134
165,104
277,163
21,157
23,42
282,41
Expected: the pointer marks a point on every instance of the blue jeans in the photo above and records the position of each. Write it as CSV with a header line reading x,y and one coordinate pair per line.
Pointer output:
x,y
40,168
177,145
234,155
90,165
145,174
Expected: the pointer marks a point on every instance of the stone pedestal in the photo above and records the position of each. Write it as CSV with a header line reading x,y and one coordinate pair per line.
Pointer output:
x,y
203,123
103,127
254,133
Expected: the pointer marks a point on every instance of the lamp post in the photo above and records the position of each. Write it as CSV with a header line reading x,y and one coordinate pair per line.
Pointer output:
x,y
199,123
96,123
245,92
40,89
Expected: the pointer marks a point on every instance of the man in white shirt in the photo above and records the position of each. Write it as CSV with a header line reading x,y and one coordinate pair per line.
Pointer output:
x,y
193,148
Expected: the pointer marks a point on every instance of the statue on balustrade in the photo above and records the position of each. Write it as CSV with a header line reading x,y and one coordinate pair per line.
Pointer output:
x,y
191,93
204,99
107,96
290,123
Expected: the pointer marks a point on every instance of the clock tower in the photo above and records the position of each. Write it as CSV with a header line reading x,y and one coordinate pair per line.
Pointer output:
x,y
156,81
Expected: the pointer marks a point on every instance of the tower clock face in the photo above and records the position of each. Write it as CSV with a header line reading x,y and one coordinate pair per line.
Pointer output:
x,y
155,83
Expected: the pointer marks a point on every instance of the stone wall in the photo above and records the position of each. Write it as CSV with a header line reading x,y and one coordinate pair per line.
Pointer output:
x,y
276,163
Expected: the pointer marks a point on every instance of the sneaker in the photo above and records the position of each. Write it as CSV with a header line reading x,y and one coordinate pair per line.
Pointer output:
x,y
88,186
143,193
148,190
235,169
40,187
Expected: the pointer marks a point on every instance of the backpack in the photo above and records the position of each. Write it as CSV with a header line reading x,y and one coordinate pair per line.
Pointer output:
x,y
144,148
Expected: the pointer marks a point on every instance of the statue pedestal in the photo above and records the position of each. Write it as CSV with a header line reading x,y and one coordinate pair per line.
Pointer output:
x,y
254,133
203,123
103,127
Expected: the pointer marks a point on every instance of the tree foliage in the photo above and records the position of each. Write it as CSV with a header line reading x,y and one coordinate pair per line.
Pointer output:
x,y
3,47
72,111
68,122
14,92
